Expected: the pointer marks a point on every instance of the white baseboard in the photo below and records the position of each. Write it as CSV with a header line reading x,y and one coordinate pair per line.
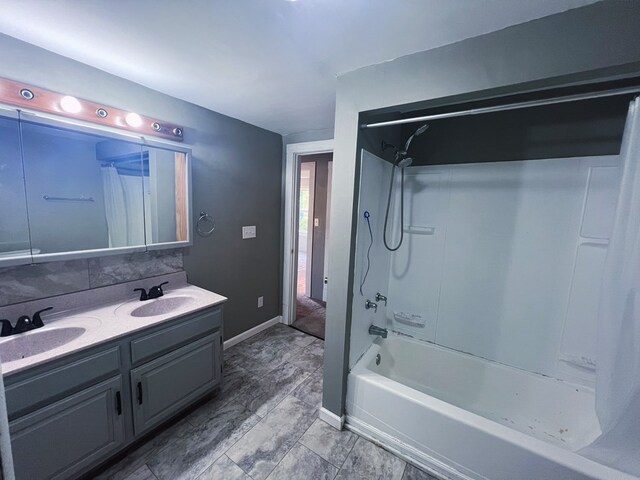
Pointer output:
x,y
331,418
251,332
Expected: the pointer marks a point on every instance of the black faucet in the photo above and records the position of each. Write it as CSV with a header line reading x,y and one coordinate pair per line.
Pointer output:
x,y
143,294
7,329
24,324
154,292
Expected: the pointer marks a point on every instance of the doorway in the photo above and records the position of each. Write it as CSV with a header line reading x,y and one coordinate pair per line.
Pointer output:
x,y
307,207
314,180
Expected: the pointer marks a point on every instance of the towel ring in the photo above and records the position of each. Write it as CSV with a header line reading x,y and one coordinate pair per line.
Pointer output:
x,y
205,217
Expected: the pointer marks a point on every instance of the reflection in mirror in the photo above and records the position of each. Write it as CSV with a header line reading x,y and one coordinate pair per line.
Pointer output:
x,y
14,227
166,208
84,191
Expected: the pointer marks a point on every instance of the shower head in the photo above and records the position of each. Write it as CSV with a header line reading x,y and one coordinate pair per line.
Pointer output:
x,y
419,131
405,162
422,129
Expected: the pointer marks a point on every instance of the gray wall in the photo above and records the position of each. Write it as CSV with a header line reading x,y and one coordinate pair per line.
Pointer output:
x,y
236,178
309,136
592,42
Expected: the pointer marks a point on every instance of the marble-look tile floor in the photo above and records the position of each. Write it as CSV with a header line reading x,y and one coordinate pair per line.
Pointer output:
x,y
263,425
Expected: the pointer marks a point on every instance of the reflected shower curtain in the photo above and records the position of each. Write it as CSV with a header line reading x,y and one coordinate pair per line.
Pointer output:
x,y
618,362
115,207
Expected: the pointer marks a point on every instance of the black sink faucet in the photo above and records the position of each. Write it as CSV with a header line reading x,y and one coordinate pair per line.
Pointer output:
x,y
7,329
24,324
143,294
154,292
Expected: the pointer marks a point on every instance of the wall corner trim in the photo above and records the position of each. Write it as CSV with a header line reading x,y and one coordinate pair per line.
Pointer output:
x,y
251,332
331,418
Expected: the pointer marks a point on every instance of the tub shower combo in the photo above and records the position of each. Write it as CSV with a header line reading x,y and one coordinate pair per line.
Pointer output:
x,y
478,349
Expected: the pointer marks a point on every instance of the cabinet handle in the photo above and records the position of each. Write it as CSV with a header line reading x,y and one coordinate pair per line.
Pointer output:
x,y
139,393
118,403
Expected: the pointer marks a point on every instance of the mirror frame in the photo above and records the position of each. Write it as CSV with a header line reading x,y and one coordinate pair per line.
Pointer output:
x,y
107,132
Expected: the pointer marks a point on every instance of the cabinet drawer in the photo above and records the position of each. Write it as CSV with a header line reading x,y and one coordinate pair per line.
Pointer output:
x,y
70,435
51,385
166,339
164,386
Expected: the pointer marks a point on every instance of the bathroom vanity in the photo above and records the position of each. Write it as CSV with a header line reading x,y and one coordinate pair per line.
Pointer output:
x,y
97,378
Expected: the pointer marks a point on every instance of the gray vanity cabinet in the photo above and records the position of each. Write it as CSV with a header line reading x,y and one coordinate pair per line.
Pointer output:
x,y
164,386
71,415
67,436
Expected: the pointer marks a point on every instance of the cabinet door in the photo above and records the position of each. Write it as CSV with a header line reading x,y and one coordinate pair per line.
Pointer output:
x,y
65,437
164,386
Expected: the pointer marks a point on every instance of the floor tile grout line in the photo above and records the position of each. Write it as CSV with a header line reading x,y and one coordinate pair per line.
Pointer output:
x,y
287,395
351,449
304,401
151,471
317,455
225,455
241,437
296,442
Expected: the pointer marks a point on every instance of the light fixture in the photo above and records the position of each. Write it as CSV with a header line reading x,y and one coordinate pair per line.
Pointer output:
x,y
70,104
26,94
133,120
23,95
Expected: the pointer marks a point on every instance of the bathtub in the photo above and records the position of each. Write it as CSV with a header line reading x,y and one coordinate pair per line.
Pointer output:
x,y
464,417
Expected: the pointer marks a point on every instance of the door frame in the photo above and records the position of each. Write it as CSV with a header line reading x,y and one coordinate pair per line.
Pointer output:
x,y
290,261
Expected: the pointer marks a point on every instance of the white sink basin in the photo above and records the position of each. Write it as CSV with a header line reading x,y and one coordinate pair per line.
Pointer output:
x,y
161,306
60,331
32,343
175,302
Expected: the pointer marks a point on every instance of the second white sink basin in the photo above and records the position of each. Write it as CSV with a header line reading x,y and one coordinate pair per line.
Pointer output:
x,y
161,306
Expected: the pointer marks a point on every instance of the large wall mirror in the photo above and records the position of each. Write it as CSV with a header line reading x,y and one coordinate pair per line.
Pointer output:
x,y
74,191
14,228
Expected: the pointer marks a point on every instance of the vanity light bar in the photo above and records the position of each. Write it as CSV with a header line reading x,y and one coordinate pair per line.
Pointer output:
x,y
42,100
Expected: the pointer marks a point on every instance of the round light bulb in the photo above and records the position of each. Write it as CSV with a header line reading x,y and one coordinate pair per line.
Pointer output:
x,y
70,104
133,120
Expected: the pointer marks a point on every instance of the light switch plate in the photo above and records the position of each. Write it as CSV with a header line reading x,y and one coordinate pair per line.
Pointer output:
x,y
316,222
249,232
260,302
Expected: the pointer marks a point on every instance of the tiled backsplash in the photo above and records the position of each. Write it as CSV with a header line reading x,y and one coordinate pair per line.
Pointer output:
x,y
30,282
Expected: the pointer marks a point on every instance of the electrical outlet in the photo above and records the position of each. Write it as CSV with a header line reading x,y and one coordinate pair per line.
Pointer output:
x,y
260,302
249,232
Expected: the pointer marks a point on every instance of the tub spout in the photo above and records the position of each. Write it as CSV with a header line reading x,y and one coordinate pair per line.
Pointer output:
x,y
382,332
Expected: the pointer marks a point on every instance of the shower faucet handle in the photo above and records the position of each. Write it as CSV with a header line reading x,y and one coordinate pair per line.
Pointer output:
x,y
369,305
381,298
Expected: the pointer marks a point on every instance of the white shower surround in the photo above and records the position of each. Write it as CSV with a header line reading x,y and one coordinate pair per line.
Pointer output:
x,y
540,226
500,260
469,421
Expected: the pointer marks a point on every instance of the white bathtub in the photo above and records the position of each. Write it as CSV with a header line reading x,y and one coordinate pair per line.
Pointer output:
x,y
465,417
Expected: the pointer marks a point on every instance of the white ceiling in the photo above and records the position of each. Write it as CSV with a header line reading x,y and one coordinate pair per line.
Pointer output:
x,y
272,63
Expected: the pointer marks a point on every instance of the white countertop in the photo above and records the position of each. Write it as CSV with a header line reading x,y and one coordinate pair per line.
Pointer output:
x,y
105,322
